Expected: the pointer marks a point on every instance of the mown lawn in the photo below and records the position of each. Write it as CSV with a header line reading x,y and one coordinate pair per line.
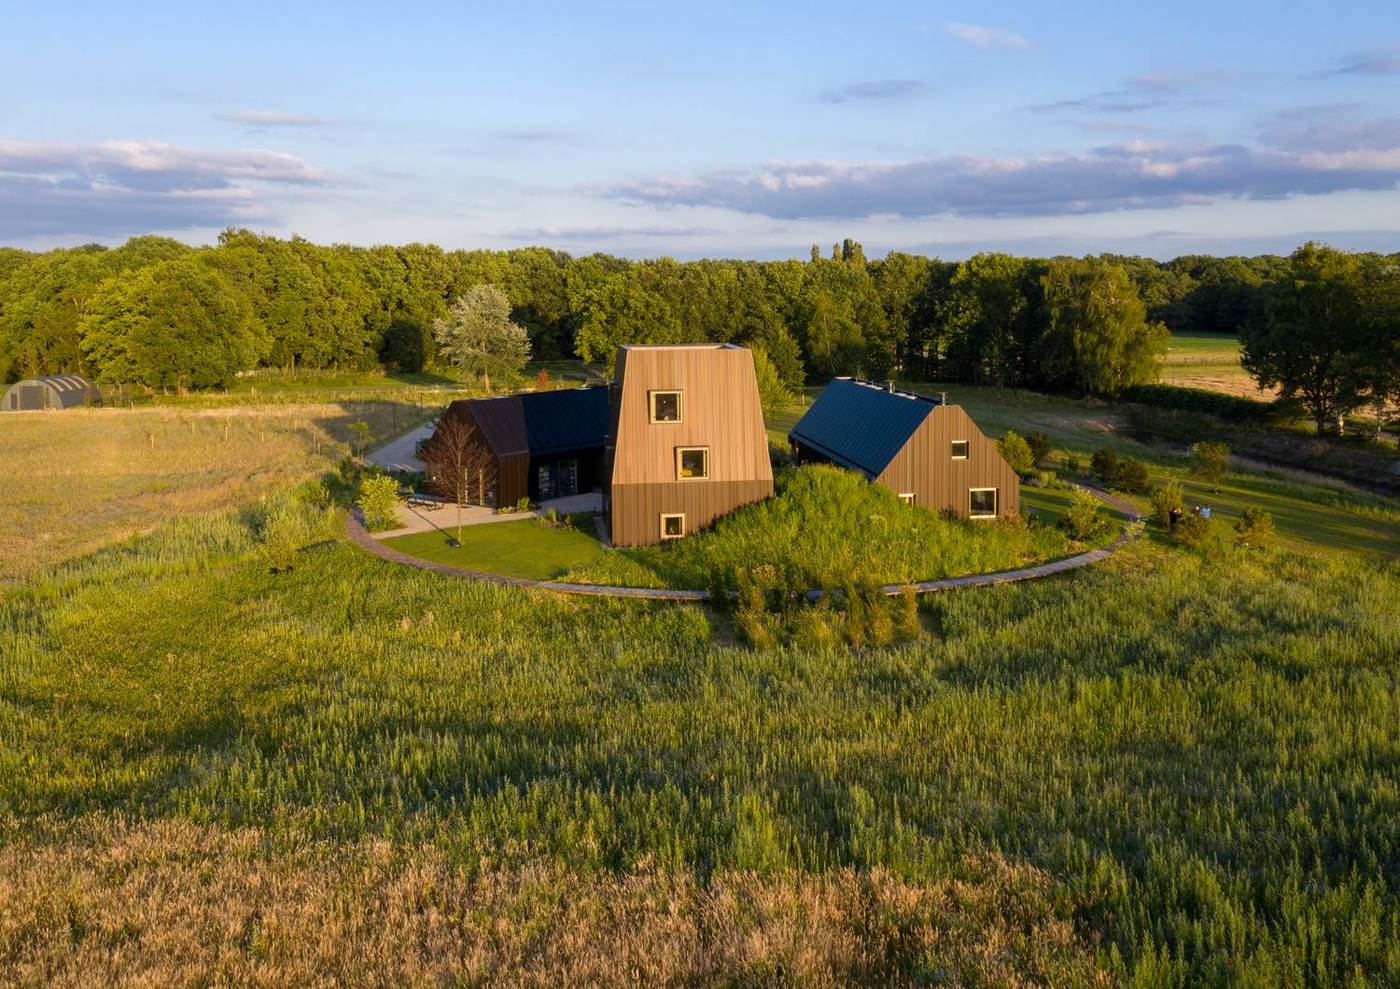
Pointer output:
x,y
523,548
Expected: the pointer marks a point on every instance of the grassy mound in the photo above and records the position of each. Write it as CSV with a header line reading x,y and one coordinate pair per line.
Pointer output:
x,y
827,527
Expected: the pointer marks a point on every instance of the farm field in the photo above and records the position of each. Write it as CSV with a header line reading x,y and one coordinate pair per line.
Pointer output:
x,y
1210,361
237,745
81,479
1073,781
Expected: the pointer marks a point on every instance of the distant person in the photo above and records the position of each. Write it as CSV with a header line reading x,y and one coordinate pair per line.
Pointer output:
x,y
1174,516
1205,512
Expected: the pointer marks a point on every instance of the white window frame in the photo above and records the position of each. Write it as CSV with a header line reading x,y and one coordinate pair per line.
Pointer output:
x,y
681,450
651,406
665,536
907,497
967,449
996,503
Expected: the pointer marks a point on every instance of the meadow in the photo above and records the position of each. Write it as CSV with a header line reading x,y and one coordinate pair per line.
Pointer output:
x,y
1210,361
236,749
828,527
1176,768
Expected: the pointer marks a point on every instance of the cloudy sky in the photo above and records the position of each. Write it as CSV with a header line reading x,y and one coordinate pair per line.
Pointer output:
x,y
713,129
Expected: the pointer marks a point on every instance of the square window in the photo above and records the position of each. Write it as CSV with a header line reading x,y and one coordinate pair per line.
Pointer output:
x,y
692,462
665,406
959,449
907,497
983,503
672,526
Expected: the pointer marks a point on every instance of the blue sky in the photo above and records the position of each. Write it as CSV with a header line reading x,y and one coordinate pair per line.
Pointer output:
x,y
744,130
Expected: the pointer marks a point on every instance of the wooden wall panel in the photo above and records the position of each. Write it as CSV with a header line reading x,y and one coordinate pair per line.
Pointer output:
x,y
925,465
637,508
720,410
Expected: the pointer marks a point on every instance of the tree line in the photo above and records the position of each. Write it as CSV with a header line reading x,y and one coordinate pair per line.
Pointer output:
x,y
160,313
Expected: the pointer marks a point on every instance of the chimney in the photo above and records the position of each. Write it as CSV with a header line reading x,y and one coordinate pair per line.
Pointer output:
x,y
889,386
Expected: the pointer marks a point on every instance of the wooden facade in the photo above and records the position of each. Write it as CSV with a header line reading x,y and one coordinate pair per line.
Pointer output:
x,y
535,439
919,447
717,411
925,466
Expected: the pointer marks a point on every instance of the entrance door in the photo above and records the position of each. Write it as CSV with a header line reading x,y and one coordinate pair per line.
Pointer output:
x,y
566,478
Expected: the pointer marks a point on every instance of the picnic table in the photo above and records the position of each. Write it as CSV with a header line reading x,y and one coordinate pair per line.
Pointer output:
x,y
425,502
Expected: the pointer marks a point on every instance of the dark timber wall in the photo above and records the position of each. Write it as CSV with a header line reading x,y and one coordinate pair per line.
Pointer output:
x,y
924,465
720,410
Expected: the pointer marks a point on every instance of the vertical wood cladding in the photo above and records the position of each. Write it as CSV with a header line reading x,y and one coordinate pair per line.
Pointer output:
x,y
925,466
720,410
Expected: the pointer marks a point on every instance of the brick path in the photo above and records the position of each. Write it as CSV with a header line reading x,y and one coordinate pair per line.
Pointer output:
x,y
355,530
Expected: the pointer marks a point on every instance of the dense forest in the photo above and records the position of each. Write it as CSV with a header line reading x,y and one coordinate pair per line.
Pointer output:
x,y
166,315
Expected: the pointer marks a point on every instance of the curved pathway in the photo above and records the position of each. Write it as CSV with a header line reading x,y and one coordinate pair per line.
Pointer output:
x,y
357,534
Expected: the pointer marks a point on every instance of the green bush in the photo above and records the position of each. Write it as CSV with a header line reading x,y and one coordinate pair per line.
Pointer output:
x,y
1191,529
1130,476
379,502
1041,445
1084,518
1255,529
1167,496
1232,407
1208,461
1104,464
1016,452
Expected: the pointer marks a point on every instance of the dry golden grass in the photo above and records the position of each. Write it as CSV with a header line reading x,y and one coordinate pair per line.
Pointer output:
x,y
171,903
78,480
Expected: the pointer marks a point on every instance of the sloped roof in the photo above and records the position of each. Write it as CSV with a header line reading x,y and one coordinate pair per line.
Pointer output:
x,y
860,424
543,423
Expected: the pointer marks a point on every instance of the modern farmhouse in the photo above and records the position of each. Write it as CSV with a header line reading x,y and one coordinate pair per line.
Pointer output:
x,y
928,452
686,443
538,445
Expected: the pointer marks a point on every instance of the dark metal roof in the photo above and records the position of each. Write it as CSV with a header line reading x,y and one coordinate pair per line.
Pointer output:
x,y
860,424
545,422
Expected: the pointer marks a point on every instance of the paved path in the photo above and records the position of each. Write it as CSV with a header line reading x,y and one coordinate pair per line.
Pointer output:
x,y
355,530
444,518
401,453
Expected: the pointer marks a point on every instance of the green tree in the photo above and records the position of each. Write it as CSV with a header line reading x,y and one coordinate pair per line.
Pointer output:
x,y
1016,452
478,337
989,314
1097,338
1208,461
773,395
835,344
177,324
1310,341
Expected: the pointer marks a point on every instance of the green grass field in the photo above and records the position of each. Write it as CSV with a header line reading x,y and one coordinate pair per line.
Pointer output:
x,y
237,750
827,527
522,548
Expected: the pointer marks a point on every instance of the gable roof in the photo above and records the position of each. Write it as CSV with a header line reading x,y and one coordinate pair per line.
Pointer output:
x,y
543,423
860,424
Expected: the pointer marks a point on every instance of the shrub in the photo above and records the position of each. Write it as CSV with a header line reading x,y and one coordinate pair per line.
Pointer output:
x,y
1084,517
1041,445
1208,461
1255,529
1166,497
1191,529
1130,476
1104,464
1016,452
1073,464
1214,403
379,502
542,382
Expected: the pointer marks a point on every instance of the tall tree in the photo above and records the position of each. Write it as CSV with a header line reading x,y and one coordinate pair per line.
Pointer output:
x,y
177,324
478,337
1098,339
459,464
1310,341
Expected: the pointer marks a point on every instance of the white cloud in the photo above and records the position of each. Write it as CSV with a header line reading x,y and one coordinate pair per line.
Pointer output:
x,y
271,118
988,38
115,188
1130,176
